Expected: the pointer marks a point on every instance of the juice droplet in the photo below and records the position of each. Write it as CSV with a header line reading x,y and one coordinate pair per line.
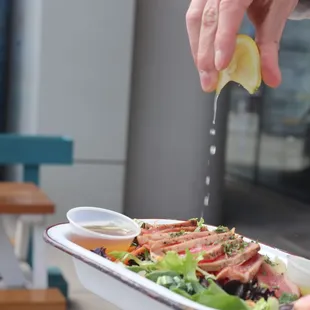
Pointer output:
x,y
206,200
212,150
215,108
208,179
212,132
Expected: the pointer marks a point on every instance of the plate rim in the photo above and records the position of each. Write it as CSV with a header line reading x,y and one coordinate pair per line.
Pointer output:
x,y
124,279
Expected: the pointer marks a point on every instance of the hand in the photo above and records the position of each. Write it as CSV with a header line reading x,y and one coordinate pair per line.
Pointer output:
x,y
213,25
302,304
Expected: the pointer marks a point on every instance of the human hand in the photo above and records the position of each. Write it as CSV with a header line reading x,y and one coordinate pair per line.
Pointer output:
x,y
213,25
302,304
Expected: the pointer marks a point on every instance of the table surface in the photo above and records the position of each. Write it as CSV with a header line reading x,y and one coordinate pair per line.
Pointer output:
x,y
24,198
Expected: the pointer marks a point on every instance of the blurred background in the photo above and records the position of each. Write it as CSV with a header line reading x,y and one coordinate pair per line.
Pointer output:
x,y
118,78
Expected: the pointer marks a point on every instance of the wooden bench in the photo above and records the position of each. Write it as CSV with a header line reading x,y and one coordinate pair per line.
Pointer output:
x,y
50,299
31,205
27,201
24,198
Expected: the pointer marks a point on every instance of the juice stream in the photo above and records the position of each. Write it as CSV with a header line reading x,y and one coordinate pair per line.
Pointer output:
x,y
212,133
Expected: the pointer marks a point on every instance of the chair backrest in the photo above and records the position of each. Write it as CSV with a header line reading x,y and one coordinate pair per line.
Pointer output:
x,y
31,151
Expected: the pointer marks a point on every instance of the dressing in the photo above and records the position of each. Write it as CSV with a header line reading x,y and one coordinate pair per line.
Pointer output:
x,y
110,229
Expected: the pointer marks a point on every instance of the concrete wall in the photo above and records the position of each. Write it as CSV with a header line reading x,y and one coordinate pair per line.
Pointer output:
x,y
73,60
72,76
169,121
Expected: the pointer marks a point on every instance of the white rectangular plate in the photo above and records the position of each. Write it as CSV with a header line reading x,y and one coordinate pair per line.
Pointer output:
x,y
121,287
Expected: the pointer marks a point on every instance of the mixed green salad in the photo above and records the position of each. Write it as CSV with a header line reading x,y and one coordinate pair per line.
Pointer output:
x,y
179,274
215,268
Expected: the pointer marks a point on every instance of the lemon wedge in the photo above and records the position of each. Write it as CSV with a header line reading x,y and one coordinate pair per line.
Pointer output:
x,y
244,68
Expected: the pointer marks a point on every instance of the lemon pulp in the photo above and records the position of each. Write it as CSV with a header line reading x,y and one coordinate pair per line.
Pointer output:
x,y
244,68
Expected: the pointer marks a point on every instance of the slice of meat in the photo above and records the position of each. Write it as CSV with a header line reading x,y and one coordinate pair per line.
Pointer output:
x,y
161,227
238,257
179,239
244,272
192,222
211,252
186,228
166,234
267,276
208,240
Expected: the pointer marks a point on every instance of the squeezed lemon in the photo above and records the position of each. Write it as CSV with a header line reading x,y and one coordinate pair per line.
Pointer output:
x,y
244,68
304,290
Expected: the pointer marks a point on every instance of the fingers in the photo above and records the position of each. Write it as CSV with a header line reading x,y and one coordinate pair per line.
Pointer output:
x,y
269,31
194,17
230,19
268,35
212,26
193,24
269,53
205,56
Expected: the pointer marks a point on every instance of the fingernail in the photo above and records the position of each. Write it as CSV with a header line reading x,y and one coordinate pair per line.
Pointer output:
x,y
219,60
205,80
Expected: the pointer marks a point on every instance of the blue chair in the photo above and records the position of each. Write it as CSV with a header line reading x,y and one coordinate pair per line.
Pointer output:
x,y
31,152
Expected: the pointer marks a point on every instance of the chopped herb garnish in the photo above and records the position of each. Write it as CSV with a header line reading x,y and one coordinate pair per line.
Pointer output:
x,y
269,261
221,229
287,298
232,248
177,234
243,245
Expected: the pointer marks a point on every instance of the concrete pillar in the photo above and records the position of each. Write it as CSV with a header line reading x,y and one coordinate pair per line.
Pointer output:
x,y
170,121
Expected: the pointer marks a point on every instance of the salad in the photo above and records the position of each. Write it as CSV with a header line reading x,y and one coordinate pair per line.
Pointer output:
x,y
217,268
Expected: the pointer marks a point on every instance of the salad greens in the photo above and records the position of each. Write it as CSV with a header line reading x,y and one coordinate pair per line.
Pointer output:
x,y
287,298
178,274
200,224
271,304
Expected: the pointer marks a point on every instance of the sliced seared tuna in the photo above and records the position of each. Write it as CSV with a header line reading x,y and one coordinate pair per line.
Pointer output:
x,y
233,256
267,276
244,272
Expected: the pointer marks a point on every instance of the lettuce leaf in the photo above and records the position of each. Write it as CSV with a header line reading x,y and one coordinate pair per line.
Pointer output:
x,y
178,274
221,302
214,296
271,304
123,256
184,265
153,276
